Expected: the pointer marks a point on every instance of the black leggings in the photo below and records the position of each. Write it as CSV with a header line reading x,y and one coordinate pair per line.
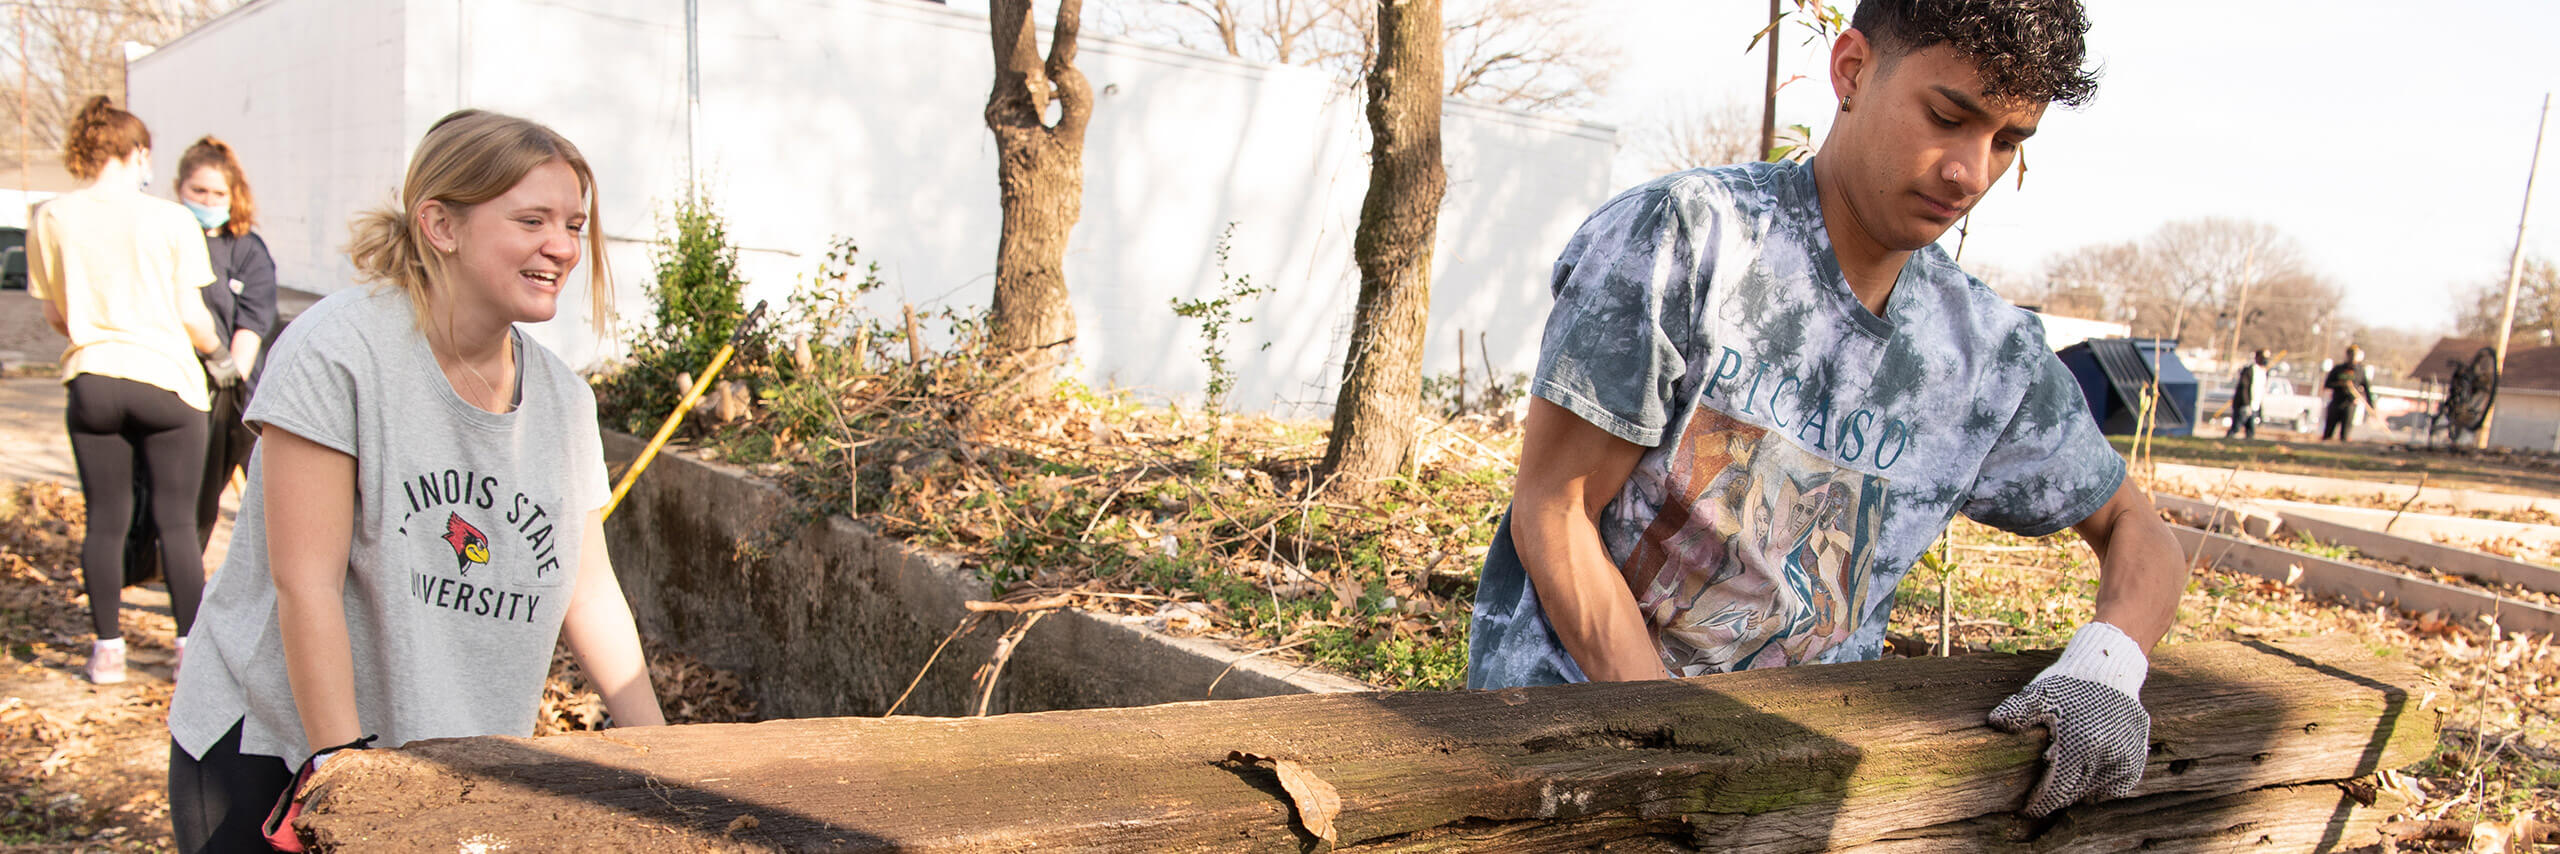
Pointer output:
x,y
2340,417
216,802
115,425
228,450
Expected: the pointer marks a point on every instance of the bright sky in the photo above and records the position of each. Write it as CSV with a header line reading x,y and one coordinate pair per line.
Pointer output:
x,y
2391,139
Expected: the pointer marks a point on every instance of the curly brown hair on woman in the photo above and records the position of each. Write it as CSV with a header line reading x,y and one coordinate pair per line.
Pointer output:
x,y
2031,49
213,153
99,134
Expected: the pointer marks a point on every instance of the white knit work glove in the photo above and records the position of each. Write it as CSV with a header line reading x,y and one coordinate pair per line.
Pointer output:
x,y
2090,700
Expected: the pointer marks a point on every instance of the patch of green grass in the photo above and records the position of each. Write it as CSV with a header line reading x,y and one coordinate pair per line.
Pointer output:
x,y
2310,545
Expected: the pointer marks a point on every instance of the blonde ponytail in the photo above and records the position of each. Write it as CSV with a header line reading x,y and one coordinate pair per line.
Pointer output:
x,y
385,249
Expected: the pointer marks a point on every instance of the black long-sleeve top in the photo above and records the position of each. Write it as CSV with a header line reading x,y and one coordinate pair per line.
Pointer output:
x,y
243,293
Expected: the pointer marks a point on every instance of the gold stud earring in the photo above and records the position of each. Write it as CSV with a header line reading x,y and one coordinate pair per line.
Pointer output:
x,y
1844,103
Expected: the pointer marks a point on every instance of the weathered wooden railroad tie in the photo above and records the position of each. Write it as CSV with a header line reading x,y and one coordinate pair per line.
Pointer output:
x,y
2267,744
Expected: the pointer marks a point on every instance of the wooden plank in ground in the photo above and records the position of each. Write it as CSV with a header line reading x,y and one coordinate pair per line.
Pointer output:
x,y
2422,526
2398,549
2355,581
1799,759
2246,517
2264,521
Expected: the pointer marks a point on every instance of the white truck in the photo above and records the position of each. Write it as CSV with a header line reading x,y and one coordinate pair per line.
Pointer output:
x,y
2284,409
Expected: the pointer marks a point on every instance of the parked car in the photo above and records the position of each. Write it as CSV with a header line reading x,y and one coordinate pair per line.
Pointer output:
x,y
13,258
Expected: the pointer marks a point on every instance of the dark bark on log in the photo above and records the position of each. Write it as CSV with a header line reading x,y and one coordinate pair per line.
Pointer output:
x,y
1381,394
1040,177
1893,755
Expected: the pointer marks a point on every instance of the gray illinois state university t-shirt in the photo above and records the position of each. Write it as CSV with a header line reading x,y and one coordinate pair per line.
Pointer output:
x,y
1803,451
464,552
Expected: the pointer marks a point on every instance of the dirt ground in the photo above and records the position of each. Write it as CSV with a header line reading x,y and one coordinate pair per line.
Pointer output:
x,y
87,764
24,337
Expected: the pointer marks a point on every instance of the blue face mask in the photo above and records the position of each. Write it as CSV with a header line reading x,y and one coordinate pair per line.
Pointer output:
x,y
211,217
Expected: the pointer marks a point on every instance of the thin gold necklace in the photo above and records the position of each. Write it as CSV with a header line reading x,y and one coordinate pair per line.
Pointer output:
x,y
488,390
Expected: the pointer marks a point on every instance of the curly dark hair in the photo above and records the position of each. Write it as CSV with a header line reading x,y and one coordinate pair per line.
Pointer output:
x,y
2026,48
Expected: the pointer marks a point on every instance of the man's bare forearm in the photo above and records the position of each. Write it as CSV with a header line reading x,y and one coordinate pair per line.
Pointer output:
x,y
1569,470
1585,599
2141,569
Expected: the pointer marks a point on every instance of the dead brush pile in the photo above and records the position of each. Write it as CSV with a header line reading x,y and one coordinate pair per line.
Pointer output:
x,y
41,525
1209,523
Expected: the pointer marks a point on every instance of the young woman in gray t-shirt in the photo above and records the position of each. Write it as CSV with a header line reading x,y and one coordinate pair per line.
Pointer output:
x,y
423,520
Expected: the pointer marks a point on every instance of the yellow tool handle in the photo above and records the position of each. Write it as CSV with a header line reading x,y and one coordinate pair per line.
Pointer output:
x,y
692,395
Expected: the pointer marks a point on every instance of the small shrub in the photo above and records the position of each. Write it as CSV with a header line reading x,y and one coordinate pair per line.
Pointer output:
x,y
695,307
1215,316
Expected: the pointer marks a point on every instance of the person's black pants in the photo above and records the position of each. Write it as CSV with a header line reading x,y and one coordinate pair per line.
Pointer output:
x,y
2338,419
2242,422
227,452
230,443
217,801
116,426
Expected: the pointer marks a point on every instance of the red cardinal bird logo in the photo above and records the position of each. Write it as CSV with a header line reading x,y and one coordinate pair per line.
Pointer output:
x,y
469,545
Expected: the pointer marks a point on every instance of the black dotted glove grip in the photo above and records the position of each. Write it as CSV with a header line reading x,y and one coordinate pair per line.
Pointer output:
x,y
2101,740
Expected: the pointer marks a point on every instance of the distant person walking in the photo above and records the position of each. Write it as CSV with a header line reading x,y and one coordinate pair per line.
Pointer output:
x,y
243,304
2249,397
119,273
2349,381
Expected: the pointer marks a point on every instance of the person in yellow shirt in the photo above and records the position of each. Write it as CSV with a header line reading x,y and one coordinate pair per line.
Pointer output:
x,y
120,274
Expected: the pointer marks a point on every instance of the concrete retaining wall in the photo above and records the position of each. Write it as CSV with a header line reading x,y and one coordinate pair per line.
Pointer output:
x,y
829,619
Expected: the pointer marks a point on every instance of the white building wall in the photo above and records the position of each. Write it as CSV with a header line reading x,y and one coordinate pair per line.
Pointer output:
x,y
309,94
863,118
2526,421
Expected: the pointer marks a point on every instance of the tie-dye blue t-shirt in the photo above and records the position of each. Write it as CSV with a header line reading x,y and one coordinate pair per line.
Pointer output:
x,y
1803,451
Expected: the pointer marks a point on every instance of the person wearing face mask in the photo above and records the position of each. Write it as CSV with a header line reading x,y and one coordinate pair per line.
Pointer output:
x,y
242,300
119,274
243,303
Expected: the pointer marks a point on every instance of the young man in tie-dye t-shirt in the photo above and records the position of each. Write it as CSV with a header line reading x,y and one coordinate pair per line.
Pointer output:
x,y
1763,392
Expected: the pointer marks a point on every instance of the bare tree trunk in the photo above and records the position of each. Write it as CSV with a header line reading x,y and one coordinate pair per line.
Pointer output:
x,y
1040,171
1373,417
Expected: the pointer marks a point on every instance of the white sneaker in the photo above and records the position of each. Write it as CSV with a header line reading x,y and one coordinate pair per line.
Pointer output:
x,y
106,662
